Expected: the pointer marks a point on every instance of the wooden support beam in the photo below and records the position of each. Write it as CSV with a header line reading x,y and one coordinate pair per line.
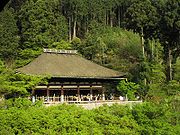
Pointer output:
x,y
33,92
47,93
78,93
62,94
103,95
91,93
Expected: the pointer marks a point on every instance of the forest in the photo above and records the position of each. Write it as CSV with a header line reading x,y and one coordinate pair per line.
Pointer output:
x,y
138,37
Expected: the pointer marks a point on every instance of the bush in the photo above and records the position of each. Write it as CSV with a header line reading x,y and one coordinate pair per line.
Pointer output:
x,y
22,117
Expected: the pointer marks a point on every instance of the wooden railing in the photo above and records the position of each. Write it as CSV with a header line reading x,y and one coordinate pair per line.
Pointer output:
x,y
74,100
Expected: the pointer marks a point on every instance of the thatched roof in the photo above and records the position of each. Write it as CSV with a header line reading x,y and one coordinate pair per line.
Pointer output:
x,y
67,65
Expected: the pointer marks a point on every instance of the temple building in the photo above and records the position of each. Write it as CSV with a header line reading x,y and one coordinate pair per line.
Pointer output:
x,y
73,78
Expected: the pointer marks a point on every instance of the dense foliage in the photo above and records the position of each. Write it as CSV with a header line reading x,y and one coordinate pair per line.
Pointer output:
x,y
36,24
8,37
139,37
13,84
22,117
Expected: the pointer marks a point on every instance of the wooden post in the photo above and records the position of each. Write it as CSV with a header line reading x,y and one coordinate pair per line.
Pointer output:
x,y
103,95
47,92
43,99
62,94
33,95
33,92
78,93
54,98
91,93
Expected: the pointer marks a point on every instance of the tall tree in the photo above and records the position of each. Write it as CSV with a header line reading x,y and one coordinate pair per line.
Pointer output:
x,y
76,12
142,17
170,34
41,24
9,38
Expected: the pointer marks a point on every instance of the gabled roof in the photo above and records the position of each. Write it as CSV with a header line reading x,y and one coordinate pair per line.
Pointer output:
x,y
61,64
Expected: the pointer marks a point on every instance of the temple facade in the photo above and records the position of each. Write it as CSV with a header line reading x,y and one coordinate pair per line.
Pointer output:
x,y
73,78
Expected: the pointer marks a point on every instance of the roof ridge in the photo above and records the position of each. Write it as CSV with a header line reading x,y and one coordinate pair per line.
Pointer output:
x,y
62,51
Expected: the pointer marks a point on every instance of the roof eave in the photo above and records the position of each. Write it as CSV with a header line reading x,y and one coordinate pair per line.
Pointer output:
x,y
79,77
86,77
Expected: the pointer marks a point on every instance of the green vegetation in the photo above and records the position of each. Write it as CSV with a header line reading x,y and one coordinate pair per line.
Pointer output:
x,y
13,85
22,117
128,89
139,37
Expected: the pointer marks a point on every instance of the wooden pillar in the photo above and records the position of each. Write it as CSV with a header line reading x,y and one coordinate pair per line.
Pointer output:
x,y
103,95
62,94
43,99
54,98
47,93
78,93
33,92
91,93
33,95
